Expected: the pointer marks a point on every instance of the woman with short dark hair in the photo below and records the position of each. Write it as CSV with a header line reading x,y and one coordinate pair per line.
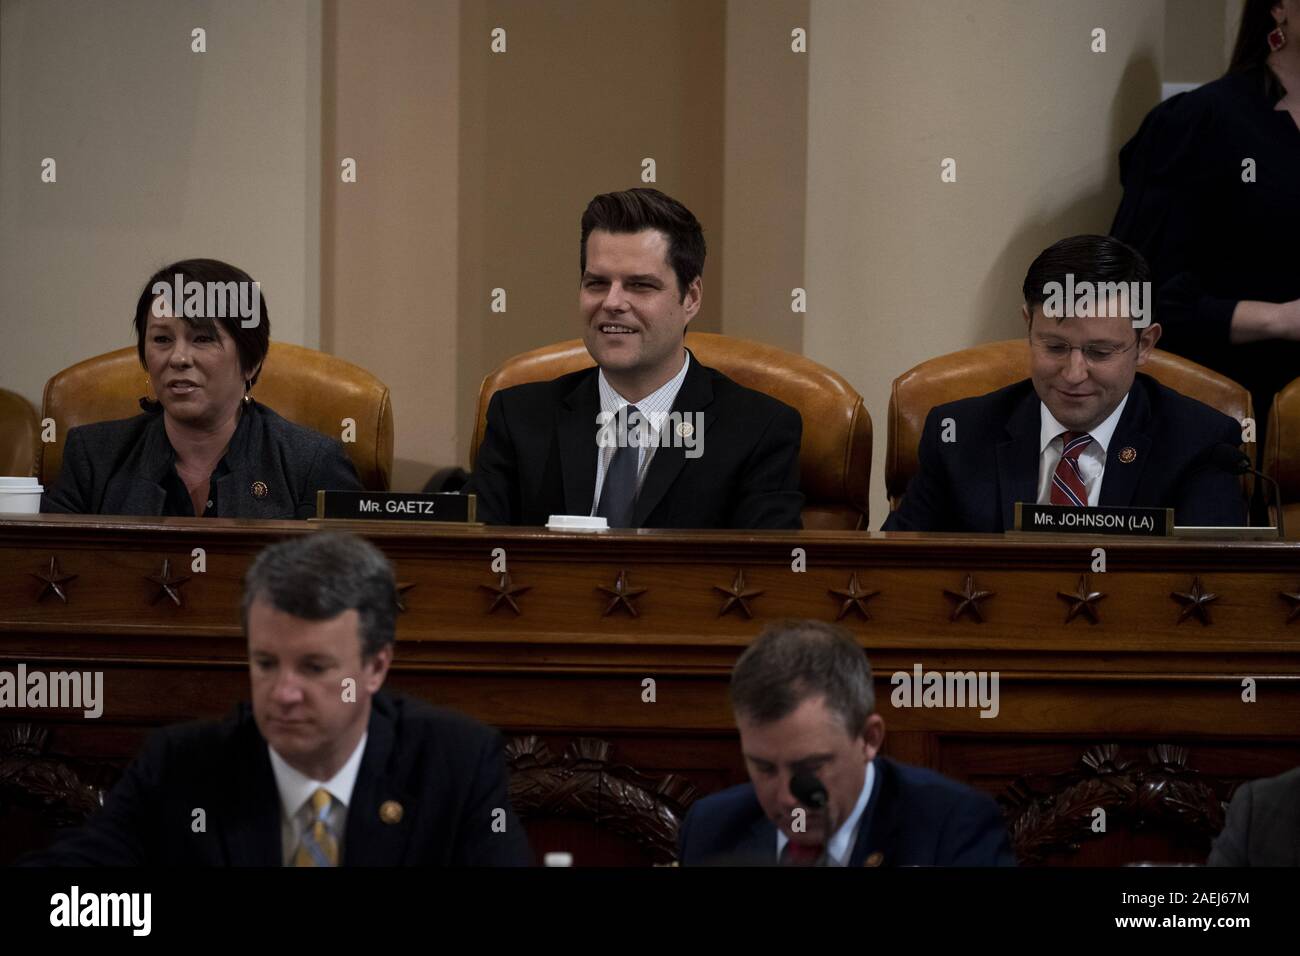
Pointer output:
x,y
203,446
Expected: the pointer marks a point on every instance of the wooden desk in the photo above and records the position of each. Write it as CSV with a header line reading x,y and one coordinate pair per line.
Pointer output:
x,y
1140,713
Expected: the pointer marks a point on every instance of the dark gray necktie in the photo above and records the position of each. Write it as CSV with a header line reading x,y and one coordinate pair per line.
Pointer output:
x,y
618,494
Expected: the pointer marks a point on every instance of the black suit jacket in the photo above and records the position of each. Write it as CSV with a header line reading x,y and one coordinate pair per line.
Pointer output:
x,y
1263,825
973,483
117,468
914,817
446,770
538,457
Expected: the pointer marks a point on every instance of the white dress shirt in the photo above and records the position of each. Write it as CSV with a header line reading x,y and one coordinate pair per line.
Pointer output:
x,y
654,408
296,789
841,845
1092,460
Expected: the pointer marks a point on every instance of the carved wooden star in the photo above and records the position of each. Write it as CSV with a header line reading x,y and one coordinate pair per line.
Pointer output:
x,y
1294,598
737,595
401,589
505,589
1196,603
622,595
168,586
54,580
1082,601
854,597
968,599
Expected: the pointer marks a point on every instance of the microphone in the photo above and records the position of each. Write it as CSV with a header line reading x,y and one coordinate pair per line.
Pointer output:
x,y
811,792
1234,461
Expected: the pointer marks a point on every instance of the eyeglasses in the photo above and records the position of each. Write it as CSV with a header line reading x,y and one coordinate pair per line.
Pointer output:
x,y
1092,354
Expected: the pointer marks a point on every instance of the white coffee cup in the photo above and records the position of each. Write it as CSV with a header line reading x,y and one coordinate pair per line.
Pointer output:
x,y
20,496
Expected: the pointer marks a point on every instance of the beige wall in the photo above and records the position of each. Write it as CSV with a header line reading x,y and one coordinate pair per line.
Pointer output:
x,y
162,153
901,266
764,174
1195,32
390,256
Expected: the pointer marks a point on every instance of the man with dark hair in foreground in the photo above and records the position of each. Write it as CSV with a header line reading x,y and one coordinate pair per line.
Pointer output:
x,y
804,704
324,769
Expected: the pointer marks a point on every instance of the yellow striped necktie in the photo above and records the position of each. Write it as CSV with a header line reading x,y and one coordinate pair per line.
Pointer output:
x,y
318,846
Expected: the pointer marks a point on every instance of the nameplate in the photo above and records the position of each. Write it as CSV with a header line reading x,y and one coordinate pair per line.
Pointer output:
x,y
395,506
1104,519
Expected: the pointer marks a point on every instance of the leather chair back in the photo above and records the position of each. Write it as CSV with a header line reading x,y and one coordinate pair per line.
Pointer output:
x,y
835,457
307,387
20,436
986,368
1282,456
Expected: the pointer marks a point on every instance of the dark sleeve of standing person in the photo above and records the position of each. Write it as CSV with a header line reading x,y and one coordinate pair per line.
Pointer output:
x,y
1172,189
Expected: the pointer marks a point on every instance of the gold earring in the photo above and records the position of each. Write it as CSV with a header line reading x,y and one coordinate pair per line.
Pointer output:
x,y
148,390
248,387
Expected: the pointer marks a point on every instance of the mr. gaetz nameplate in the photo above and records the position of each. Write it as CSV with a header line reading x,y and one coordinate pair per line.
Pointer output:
x,y
1103,519
395,506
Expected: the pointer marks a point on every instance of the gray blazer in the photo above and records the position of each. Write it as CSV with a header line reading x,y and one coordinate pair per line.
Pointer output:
x,y
117,468
1263,826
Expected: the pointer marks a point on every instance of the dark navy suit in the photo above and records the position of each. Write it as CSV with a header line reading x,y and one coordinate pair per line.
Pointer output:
x,y
538,457
973,483
914,817
446,772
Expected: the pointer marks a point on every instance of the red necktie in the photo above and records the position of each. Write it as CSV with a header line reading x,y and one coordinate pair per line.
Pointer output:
x,y
801,854
1067,481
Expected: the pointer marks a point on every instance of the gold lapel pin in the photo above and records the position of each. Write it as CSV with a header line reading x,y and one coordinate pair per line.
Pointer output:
x,y
390,811
260,490
875,858
685,429
1128,454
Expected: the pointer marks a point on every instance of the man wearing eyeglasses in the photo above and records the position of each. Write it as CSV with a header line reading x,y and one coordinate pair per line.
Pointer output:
x,y
1086,428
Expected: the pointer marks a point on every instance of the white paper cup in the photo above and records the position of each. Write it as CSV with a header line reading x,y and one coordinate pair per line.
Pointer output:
x,y
20,496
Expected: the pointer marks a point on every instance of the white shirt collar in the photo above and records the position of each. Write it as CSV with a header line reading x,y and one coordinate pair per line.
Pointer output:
x,y
841,846
296,788
1050,428
660,400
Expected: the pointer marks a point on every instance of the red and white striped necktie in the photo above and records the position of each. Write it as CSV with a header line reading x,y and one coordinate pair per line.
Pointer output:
x,y
1068,487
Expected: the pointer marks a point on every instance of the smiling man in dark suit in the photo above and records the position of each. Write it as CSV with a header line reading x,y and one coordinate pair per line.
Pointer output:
x,y
804,703
324,769
1085,428
650,438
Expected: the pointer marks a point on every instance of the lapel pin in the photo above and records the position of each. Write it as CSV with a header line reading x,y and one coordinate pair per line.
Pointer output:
x,y
390,811
875,858
260,490
1128,454
685,429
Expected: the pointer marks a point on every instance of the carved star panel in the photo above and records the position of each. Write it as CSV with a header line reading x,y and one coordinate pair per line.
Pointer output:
x,y
968,600
168,586
738,595
854,598
54,580
622,595
504,592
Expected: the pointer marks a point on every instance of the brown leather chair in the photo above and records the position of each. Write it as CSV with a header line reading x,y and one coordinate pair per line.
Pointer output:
x,y
20,436
835,458
986,368
307,387
1282,456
